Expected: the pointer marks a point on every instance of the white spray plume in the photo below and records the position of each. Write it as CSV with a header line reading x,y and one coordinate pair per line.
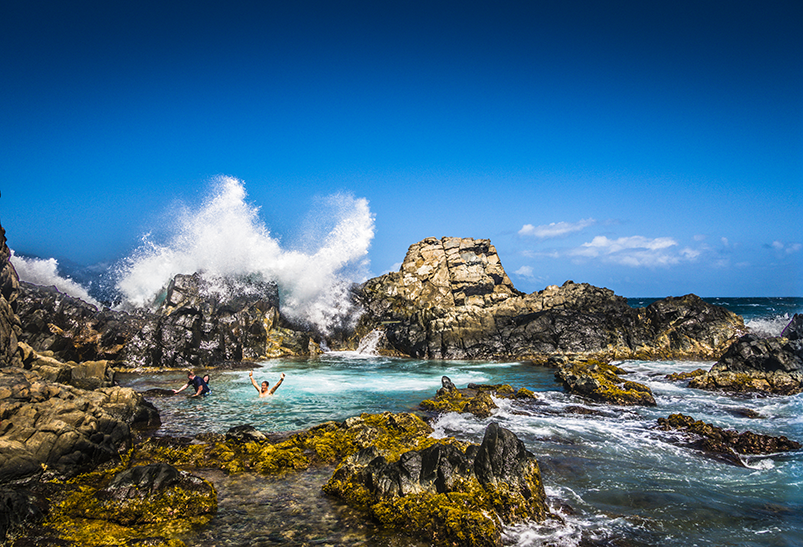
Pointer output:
x,y
45,272
225,238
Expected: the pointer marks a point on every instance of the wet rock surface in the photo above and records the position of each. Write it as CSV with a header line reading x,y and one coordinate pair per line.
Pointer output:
x,y
725,444
765,365
475,399
451,299
601,382
447,494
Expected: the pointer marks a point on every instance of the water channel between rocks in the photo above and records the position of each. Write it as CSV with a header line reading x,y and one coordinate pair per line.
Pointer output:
x,y
611,474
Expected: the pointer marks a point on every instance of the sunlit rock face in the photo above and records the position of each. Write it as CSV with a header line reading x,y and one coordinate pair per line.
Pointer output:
x,y
452,299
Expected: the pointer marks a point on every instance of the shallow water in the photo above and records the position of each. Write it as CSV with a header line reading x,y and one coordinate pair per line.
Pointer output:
x,y
613,476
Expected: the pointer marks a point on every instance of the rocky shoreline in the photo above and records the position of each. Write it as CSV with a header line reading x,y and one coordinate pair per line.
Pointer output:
x,y
79,464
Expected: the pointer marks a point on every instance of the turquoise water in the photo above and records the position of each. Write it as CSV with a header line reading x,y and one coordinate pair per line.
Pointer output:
x,y
624,479
612,476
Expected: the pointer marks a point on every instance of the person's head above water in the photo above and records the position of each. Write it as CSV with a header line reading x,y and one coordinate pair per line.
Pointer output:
x,y
264,389
265,386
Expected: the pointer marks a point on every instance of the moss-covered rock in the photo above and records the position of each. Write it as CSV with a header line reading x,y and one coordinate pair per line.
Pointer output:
x,y
680,376
600,382
140,505
448,493
474,399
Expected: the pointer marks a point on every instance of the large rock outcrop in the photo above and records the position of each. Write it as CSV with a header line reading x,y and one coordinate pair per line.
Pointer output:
x,y
451,299
198,324
755,364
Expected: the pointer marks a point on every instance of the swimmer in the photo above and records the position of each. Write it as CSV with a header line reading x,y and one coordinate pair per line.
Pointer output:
x,y
197,383
263,391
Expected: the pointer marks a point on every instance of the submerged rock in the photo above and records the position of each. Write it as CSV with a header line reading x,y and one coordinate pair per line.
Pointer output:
x,y
452,299
726,444
765,365
601,382
447,494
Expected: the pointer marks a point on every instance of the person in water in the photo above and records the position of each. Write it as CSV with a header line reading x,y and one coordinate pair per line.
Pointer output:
x,y
263,390
198,384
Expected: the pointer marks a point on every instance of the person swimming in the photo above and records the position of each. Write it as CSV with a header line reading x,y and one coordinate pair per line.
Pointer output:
x,y
263,389
198,383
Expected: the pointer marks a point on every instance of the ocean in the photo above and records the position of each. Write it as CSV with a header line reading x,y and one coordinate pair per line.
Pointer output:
x,y
612,477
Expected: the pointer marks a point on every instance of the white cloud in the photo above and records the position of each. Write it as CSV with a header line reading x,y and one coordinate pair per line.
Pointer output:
x,y
525,271
555,229
636,251
777,245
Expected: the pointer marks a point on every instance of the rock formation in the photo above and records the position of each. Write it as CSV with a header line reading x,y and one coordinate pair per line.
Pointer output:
x,y
725,444
198,324
601,382
754,364
474,399
447,494
451,299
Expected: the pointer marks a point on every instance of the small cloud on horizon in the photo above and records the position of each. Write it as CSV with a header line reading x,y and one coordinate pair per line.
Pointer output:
x,y
555,229
635,251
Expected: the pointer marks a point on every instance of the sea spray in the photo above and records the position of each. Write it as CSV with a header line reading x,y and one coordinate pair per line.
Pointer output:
x,y
46,272
225,239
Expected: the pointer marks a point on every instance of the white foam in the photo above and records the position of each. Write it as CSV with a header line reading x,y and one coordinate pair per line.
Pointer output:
x,y
225,238
46,272
767,327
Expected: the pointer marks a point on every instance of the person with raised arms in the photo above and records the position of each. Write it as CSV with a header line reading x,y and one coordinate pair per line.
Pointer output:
x,y
263,390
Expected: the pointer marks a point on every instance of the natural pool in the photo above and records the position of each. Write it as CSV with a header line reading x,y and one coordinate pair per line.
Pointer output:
x,y
625,481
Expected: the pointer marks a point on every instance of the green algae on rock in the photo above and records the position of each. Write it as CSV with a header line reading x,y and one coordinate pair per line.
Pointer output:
x,y
600,382
152,505
474,399
448,493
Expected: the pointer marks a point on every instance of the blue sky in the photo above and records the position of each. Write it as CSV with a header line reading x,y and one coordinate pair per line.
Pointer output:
x,y
654,148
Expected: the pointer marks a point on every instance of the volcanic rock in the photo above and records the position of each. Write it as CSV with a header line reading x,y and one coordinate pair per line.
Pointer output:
x,y
447,494
451,299
601,382
726,444
754,364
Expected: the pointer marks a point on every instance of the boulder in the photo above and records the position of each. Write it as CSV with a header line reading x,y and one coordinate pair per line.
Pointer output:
x,y
451,299
446,493
601,382
754,364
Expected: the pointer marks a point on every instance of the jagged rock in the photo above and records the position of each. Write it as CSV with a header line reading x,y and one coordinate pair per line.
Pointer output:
x,y
446,493
63,429
10,326
451,299
475,399
601,382
198,324
769,365
726,444
18,508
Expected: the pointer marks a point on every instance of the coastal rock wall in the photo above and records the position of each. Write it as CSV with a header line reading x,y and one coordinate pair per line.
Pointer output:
x,y
197,325
451,299
10,327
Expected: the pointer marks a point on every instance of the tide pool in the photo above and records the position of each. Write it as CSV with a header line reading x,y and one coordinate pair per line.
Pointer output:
x,y
610,473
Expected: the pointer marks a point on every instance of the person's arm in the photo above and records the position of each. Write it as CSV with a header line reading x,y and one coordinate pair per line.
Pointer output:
x,y
182,389
200,389
274,388
251,375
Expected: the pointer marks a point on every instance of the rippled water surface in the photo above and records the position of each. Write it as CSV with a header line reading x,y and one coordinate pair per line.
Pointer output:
x,y
610,473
